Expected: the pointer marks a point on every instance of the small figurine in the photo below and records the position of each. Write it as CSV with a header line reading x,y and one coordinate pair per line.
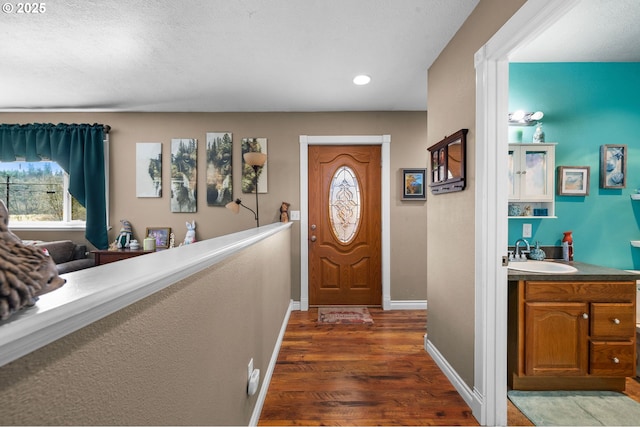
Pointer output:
x,y
172,240
191,233
284,212
124,238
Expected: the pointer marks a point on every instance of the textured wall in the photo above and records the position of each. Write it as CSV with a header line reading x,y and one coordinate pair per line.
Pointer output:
x,y
178,357
450,265
586,105
408,132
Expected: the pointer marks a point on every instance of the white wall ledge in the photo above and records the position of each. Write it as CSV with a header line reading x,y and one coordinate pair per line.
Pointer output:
x,y
93,293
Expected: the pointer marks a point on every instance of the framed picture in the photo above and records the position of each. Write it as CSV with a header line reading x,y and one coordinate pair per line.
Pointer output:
x,y
613,166
184,174
219,168
148,169
161,234
573,180
413,184
248,174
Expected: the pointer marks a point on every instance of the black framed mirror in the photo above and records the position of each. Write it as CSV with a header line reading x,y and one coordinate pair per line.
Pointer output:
x,y
448,163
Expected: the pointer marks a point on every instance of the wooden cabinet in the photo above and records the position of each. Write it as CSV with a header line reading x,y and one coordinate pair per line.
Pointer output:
x,y
106,256
571,335
531,178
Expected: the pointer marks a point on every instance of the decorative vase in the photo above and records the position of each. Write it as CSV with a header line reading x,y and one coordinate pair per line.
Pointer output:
x,y
538,135
514,210
537,253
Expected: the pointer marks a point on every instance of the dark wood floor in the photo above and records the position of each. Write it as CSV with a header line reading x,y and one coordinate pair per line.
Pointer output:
x,y
367,375
376,374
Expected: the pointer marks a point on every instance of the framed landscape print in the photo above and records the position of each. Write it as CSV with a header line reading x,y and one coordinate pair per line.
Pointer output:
x,y
149,169
184,174
219,168
573,180
413,184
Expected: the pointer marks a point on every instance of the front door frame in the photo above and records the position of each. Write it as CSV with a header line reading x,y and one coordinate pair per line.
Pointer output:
x,y
385,187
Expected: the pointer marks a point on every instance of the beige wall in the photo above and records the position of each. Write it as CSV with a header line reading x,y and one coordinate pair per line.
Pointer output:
x,y
178,357
450,217
408,132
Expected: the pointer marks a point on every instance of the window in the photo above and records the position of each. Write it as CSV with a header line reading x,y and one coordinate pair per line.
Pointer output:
x,y
37,196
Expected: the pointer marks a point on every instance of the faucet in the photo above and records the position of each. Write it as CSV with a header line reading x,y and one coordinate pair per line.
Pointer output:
x,y
520,255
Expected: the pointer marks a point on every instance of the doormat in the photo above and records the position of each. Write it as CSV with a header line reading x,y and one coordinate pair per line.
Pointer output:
x,y
577,408
344,315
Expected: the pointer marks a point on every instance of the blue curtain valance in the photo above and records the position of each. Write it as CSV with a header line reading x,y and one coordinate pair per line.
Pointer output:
x,y
79,150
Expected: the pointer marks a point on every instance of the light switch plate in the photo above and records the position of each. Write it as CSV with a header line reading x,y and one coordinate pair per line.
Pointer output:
x,y
526,230
295,215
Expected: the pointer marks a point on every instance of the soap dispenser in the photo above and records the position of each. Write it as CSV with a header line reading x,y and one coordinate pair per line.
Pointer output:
x,y
537,253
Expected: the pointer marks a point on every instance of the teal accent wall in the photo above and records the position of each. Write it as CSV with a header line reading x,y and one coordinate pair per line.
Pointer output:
x,y
585,105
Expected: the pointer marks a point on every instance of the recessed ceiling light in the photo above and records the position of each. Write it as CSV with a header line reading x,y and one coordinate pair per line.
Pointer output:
x,y
362,79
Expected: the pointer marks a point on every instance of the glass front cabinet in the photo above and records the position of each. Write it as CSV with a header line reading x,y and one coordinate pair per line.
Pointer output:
x,y
531,180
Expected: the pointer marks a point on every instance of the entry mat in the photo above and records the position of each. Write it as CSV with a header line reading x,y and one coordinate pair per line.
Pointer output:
x,y
344,314
577,408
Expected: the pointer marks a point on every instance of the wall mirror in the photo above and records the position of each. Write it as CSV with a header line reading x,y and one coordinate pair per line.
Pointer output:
x,y
448,161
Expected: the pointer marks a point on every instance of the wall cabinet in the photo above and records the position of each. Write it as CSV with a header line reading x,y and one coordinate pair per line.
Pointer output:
x,y
531,179
571,335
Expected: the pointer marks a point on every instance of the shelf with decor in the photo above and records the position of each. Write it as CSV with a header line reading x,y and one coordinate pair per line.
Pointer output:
x,y
531,180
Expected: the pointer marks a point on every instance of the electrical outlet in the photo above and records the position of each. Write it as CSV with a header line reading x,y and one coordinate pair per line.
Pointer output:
x,y
250,369
526,230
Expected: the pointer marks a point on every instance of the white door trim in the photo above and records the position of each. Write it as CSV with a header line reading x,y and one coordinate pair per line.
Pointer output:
x,y
491,223
384,141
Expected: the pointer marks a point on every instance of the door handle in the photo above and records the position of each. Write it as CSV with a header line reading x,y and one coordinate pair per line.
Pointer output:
x,y
313,226
314,238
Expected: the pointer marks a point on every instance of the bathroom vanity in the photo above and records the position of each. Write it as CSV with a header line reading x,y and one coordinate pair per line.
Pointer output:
x,y
571,331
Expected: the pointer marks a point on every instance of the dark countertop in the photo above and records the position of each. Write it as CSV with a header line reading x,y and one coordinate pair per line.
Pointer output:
x,y
585,272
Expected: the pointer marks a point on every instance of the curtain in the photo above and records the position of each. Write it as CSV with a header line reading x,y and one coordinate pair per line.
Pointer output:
x,y
79,150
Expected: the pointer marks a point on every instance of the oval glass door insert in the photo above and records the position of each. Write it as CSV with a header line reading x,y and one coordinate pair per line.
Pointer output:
x,y
344,204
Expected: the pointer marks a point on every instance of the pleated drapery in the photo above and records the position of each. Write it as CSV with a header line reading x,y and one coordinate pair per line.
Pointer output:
x,y
79,150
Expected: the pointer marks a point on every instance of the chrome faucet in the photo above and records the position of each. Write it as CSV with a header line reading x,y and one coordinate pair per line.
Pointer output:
x,y
519,255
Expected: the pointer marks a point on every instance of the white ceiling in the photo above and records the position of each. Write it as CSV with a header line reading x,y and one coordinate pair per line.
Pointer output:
x,y
259,55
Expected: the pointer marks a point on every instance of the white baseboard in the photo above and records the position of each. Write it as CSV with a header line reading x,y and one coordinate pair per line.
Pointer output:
x,y
395,305
472,397
264,388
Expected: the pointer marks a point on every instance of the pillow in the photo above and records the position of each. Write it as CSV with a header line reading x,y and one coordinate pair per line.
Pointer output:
x,y
60,250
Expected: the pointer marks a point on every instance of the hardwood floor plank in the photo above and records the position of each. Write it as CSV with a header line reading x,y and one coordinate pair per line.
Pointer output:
x,y
376,374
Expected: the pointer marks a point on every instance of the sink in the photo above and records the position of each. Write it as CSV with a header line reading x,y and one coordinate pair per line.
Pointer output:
x,y
542,267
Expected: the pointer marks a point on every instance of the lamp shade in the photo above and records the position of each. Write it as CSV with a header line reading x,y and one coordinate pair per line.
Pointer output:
x,y
254,158
233,206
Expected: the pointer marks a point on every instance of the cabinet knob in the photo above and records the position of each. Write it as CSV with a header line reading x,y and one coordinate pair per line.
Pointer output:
x,y
615,360
616,321
585,316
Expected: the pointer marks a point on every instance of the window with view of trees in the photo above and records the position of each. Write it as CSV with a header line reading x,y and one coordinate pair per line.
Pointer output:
x,y
38,192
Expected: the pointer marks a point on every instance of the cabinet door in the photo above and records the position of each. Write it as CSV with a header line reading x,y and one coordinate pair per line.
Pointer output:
x,y
531,172
556,338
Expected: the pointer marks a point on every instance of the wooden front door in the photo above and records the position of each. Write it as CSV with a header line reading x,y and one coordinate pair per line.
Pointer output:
x,y
345,225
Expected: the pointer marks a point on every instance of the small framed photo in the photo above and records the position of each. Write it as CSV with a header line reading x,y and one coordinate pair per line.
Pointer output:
x,y
161,234
613,166
413,184
573,180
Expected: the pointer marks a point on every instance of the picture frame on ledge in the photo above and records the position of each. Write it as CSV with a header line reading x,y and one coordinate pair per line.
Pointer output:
x,y
413,184
161,234
573,180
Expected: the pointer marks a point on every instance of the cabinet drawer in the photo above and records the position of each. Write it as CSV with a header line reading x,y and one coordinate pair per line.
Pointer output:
x,y
612,358
580,291
616,320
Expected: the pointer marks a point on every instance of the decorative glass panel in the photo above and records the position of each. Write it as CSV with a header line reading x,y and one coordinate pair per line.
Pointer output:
x,y
344,204
536,176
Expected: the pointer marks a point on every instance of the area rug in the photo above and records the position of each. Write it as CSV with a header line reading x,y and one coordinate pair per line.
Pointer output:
x,y
344,315
577,408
